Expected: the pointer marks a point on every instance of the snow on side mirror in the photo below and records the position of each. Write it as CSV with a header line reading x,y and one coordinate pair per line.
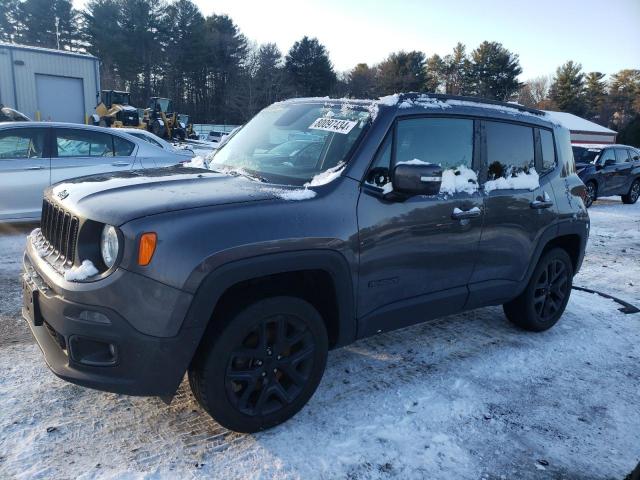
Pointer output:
x,y
417,178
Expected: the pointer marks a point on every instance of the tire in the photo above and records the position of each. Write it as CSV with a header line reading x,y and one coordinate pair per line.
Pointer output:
x,y
262,365
634,192
591,193
545,298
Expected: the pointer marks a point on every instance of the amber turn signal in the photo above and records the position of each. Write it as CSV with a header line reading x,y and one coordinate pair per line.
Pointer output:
x,y
146,248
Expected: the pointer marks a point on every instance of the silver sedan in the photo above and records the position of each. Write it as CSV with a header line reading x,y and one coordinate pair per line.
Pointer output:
x,y
34,155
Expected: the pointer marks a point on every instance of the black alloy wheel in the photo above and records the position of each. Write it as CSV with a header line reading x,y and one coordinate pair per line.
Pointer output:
x,y
543,301
270,367
259,364
590,195
634,193
551,289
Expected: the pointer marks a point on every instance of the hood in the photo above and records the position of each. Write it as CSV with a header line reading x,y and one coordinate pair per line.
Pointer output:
x,y
116,198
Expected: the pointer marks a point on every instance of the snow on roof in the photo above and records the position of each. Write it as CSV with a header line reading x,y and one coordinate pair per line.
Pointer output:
x,y
577,124
17,46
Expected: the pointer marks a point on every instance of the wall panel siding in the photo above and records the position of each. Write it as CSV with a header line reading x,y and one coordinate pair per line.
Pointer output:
x,y
29,62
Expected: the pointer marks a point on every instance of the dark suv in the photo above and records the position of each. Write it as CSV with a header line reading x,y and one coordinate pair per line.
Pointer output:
x,y
609,170
382,215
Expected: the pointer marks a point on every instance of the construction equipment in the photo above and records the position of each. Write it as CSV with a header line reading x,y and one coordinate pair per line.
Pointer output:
x,y
115,110
163,121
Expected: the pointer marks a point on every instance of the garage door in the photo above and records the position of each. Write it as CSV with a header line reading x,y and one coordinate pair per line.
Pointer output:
x,y
60,99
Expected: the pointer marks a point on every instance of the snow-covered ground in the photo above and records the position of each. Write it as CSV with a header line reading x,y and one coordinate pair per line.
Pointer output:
x,y
465,397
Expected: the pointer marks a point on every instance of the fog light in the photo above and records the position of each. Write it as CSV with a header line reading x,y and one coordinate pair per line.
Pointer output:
x,y
92,352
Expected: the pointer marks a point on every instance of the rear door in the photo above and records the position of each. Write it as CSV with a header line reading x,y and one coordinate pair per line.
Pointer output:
x,y
623,171
519,204
79,152
24,171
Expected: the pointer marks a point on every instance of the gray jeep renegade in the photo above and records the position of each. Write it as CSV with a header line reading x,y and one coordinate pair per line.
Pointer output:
x,y
318,223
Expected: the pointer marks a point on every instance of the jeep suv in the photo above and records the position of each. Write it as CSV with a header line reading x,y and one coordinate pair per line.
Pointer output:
x,y
383,214
609,170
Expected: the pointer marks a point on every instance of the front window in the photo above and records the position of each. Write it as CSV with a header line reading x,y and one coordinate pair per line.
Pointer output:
x,y
292,143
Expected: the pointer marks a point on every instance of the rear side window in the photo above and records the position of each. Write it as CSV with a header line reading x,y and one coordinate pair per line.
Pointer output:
x,y
22,143
622,155
447,142
510,149
122,147
83,143
548,151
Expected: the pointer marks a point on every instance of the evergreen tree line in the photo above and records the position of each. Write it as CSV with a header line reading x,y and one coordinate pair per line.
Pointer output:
x,y
216,75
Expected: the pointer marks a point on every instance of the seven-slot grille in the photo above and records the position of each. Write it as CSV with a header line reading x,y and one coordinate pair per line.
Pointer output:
x,y
60,230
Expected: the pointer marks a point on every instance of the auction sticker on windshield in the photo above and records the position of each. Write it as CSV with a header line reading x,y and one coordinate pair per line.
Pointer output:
x,y
333,125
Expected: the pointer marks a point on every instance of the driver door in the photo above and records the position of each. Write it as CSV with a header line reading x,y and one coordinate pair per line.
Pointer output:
x,y
606,165
415,258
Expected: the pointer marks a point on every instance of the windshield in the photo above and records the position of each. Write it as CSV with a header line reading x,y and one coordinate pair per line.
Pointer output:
x,y
292,143
120,98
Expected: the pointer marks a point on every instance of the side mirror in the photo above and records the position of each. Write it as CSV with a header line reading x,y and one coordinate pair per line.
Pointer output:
x,y
417,178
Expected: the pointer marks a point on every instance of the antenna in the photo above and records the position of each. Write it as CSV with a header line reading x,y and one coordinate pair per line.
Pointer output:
x,y
57,33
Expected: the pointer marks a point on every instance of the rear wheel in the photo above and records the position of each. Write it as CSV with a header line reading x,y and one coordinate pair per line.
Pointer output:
x,y
542,303
263,366
590,196
634,193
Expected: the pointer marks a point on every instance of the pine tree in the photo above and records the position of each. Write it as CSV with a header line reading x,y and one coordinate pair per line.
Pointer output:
x,y
47,23
402,72
269,75
595,95
458,72
567,89
362,81
309,69
9,21
494,71
624,93
435,74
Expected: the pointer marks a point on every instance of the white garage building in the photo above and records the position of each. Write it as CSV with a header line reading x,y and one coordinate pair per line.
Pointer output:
x,y
582,130
47,84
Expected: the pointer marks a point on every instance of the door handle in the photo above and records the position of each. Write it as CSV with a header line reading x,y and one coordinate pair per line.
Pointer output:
x,y
543,201
458,214
120,164
39,167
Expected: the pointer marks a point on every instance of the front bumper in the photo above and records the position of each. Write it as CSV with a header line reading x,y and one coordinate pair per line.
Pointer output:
x,y
91,342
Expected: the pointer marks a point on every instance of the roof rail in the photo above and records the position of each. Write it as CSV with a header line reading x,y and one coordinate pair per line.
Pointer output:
x,y
479,100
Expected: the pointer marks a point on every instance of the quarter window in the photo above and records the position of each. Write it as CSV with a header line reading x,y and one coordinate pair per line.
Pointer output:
x,y
447,142
509,149
548,151
83,143
380,173
22,143
122,147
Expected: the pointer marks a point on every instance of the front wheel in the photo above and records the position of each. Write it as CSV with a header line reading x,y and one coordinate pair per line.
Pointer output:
x,y
262,367
590,194
634,193
543,301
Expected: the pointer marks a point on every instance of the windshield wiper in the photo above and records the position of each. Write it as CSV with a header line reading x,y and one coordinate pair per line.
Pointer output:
x,y
244,173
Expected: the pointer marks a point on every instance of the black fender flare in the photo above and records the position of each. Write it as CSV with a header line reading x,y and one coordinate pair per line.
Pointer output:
x,y
219,280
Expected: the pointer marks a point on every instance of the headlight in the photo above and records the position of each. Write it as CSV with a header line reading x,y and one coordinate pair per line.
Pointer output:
x,y
109,245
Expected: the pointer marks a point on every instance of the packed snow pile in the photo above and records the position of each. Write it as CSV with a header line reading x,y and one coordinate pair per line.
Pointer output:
x,y
85,270
327,176
522,180
457,180
294,195
196,162
415,161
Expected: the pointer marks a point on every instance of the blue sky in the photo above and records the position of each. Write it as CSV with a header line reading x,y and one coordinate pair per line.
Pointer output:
x,y
603,35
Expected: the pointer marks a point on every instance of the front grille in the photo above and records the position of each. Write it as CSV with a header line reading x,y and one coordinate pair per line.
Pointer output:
x,y
60,230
